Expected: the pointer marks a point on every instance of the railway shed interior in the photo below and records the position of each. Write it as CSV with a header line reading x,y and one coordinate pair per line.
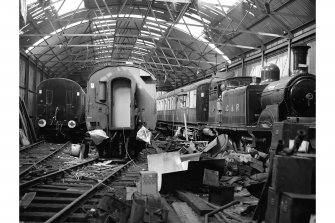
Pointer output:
x,y
177,52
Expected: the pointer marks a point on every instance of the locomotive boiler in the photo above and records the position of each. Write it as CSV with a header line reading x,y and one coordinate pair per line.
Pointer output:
x,y
120,100
61,109
244,108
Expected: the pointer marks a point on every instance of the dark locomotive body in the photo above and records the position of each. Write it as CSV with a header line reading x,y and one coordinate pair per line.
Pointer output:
x,y
120,100
61,109
244,108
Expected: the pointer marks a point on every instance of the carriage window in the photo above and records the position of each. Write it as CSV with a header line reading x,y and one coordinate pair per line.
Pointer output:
x,y
102,91
182,100
68,97
219,90
49,96
75,97
193,98
233,83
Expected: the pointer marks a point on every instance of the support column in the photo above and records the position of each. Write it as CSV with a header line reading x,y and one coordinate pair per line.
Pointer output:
x,y
42,73
243,65
26,81
263,56
289,56
35,93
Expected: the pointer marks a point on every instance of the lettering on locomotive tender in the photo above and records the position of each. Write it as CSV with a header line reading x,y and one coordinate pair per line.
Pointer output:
x,y
237,108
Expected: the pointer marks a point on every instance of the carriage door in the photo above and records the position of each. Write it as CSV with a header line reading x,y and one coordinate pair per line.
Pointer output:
x,y
121,99
68,108
202,103
48,102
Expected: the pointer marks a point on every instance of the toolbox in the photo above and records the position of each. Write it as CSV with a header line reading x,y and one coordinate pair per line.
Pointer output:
x,y
292,174
273,204
296,208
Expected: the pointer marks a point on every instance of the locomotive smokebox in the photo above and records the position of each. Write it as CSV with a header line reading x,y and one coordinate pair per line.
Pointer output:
x,y
300,51
270,73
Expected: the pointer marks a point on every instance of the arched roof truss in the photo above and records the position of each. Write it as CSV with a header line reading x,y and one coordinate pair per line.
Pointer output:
x,y
179,41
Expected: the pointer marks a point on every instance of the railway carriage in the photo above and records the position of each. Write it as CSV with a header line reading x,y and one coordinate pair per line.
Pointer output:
x,y
61,109
120,100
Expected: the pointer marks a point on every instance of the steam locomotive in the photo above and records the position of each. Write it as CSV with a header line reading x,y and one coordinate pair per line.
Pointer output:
x,y
120,100
61,109
244,108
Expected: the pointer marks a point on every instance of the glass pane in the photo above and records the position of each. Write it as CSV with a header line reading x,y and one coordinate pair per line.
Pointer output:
x,y
68,97
49,96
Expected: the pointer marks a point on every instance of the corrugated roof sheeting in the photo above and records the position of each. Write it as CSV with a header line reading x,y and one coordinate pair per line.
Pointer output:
x,y
295,9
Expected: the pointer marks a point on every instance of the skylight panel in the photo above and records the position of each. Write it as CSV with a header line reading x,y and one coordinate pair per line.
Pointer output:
x,y
136,58
156,24
37,12
37,43
196,30
103,57
149,43
219,2
198,17
131,16
143,49
140,53
100,24
150,34
68,6
69,26
29,49
106,32
104,17
156,19
29,2
157,29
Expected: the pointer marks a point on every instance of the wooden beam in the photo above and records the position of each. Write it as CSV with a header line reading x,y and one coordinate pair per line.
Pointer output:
x,y
197,204
26,81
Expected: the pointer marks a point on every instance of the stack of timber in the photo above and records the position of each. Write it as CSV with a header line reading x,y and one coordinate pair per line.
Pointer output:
x,y
27,130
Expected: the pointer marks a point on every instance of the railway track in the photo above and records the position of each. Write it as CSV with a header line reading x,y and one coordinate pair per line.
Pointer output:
x,y
33,157
68,194
45,158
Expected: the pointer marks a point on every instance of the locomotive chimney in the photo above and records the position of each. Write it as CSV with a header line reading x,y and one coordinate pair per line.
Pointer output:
x,y
300,51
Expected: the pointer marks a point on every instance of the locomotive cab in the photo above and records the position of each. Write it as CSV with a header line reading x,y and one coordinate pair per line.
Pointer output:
x,y
291,98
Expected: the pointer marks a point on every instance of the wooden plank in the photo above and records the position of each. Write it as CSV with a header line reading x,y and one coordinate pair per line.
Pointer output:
x,y
172,216
47,215
44,206
53,199
185,212
55,191
71,185
79,187
27,199
51,206
197,204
